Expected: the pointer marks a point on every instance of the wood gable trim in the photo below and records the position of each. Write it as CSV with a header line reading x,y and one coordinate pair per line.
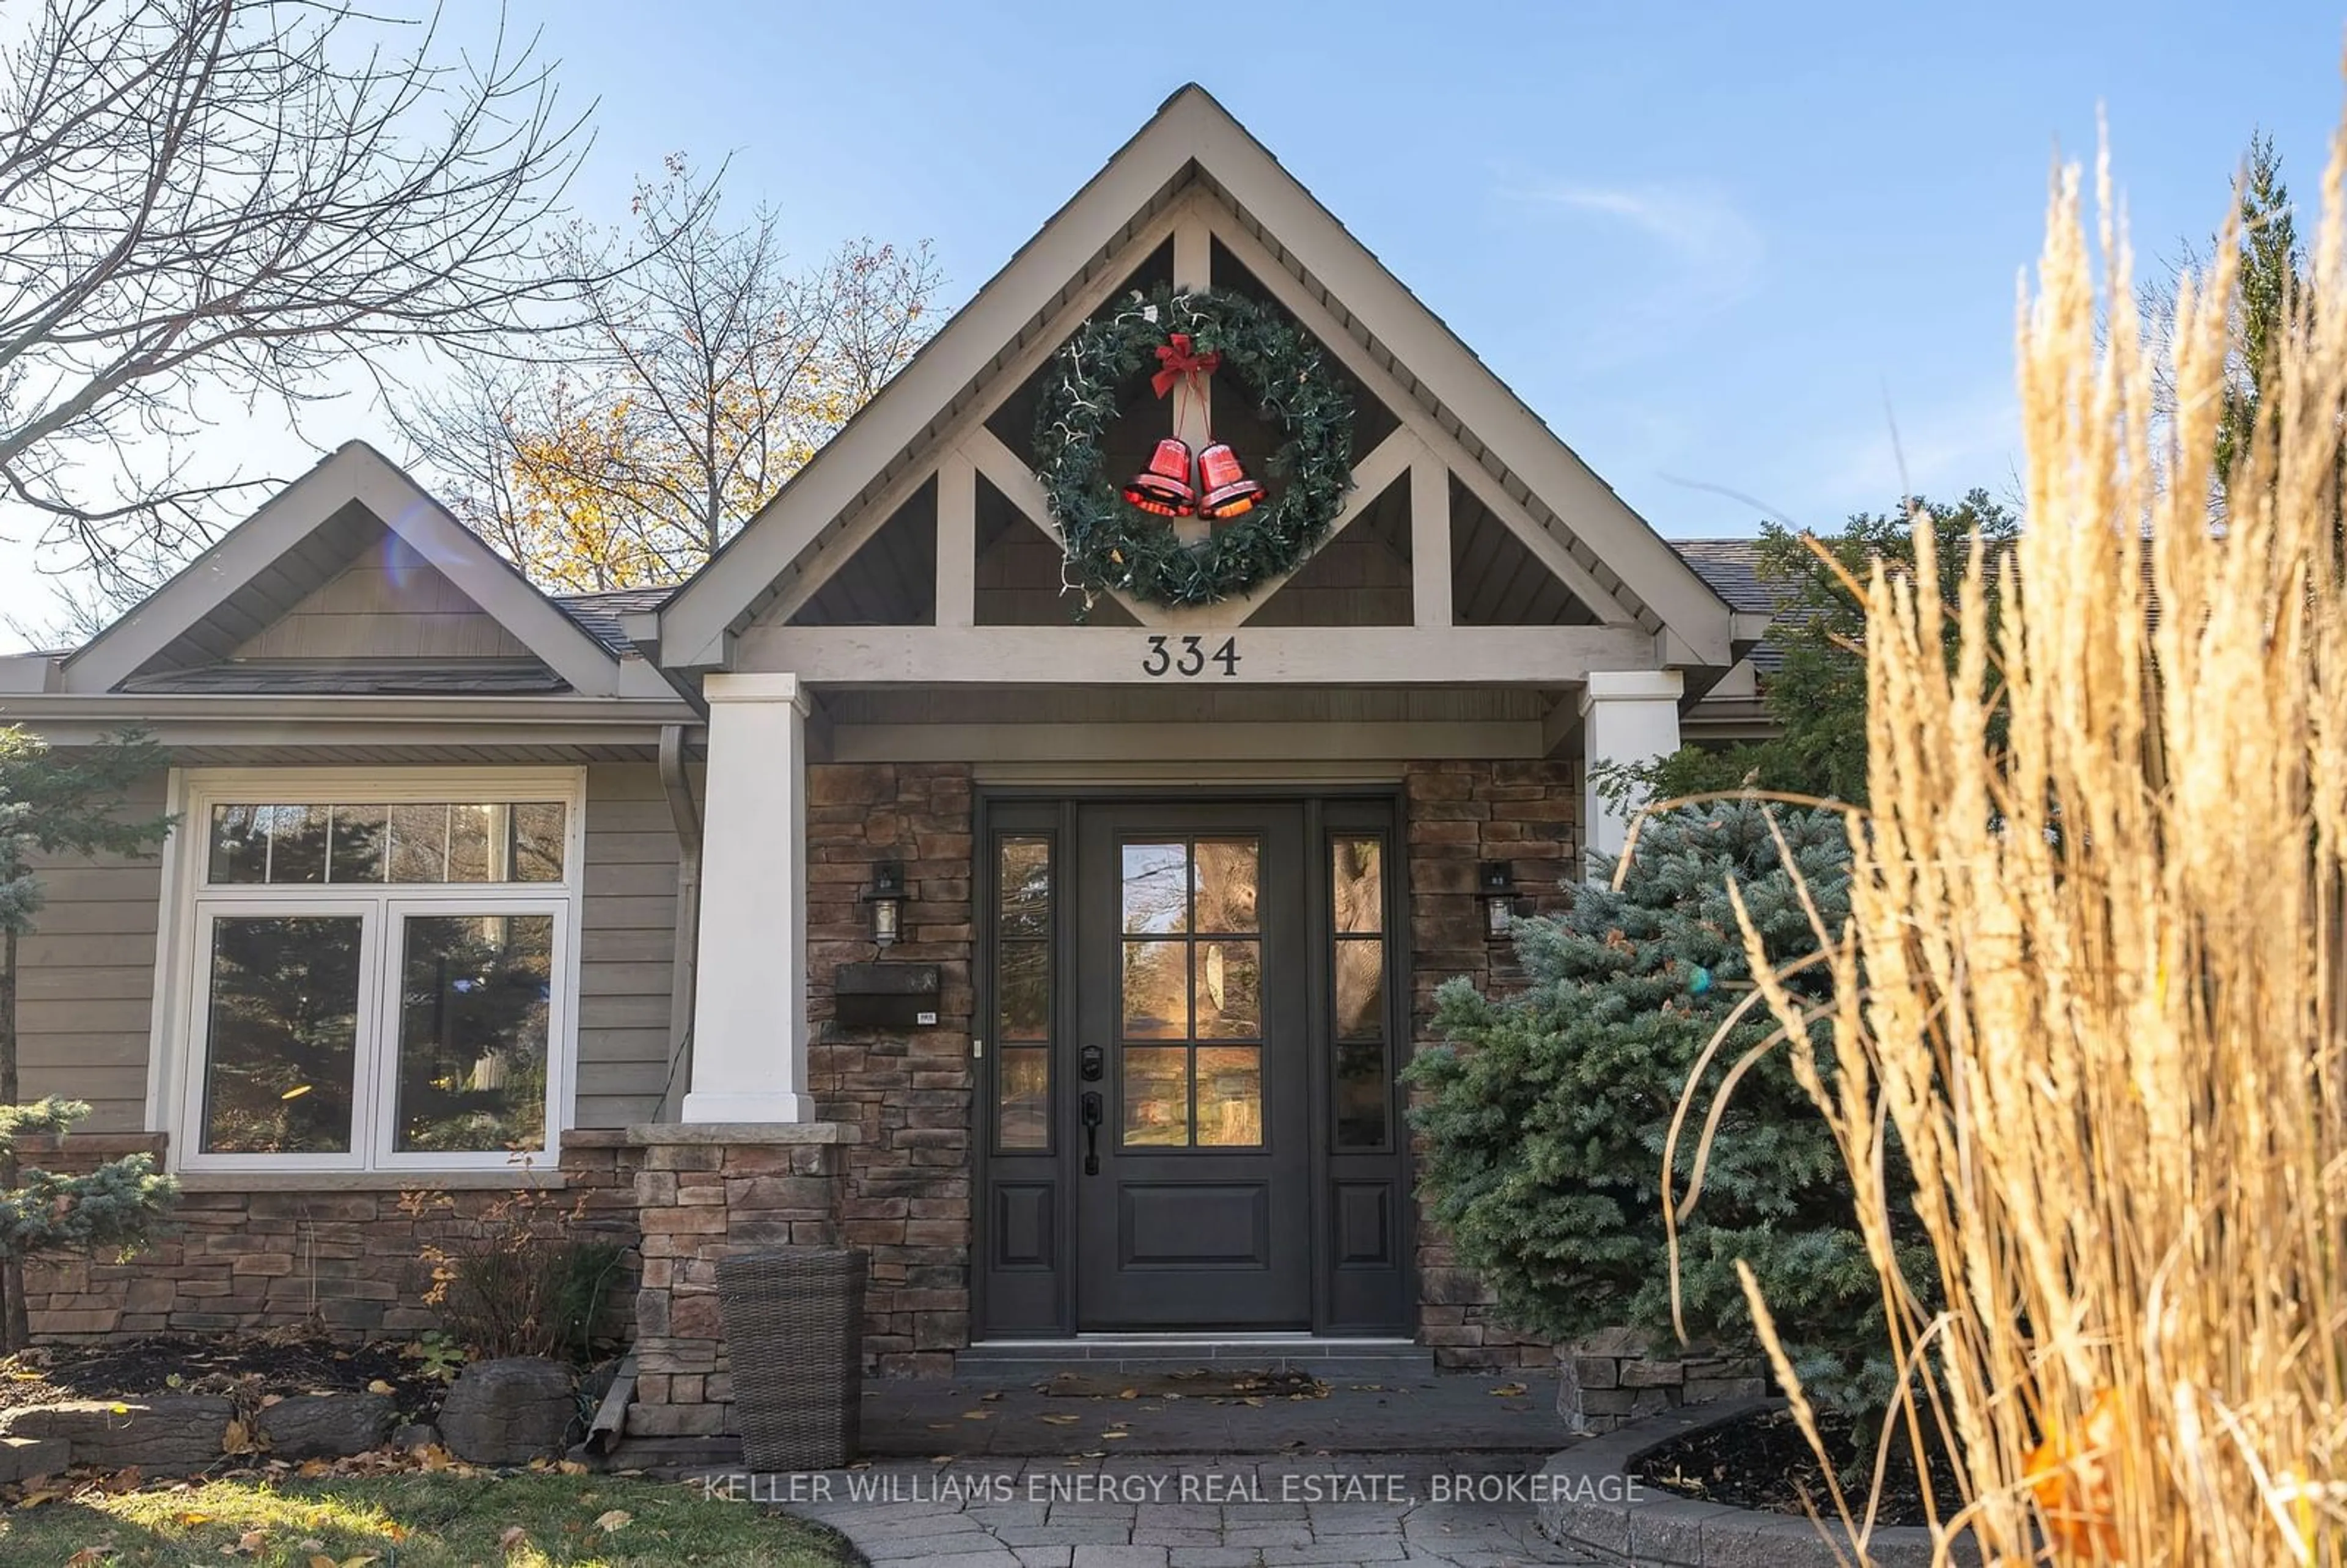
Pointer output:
x,y
1455,413
355,472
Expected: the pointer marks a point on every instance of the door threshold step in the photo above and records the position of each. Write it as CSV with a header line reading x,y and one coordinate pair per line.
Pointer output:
x,y
1013,1360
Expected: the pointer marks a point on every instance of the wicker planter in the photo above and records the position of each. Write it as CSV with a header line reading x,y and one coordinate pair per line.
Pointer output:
x,y
794,1332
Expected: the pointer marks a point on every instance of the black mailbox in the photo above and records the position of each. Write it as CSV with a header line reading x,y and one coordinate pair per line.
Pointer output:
x,y
886,996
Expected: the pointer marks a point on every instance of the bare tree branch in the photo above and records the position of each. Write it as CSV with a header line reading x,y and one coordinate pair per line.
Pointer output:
x,y
705,373
234,199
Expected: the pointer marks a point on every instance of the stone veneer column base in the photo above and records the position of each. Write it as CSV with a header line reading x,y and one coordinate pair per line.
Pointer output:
x,y
705,1190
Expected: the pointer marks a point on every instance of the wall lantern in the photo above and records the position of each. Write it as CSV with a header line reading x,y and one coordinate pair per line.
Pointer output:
x,y
1495,882
886,896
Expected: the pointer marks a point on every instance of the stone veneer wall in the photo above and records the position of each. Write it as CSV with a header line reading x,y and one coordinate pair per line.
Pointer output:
x,y
1463,814
705,1190
276,1255
906,1181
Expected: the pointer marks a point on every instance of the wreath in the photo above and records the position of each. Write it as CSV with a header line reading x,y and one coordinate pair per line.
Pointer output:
x,y
1112,544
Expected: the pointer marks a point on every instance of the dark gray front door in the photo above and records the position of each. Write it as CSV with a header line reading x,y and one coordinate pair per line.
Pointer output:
x,y
1194,1154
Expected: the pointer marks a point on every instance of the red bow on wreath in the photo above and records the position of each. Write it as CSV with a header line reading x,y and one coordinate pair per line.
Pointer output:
x,y
1176,364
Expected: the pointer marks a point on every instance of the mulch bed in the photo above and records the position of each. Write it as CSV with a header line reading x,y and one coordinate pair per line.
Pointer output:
x,y
1763,1461
247,1367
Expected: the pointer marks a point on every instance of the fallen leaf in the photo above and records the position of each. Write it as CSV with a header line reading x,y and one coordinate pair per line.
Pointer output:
x,y
269,1399
252,1541
990,1398
1251,1399
1114,1437
1060,1420
377,1385
310,1469
569,1467
90,1557
360,1561
941,1426
34,1498
614,1519
127,1479
1509,1391
976,1415
512,1538
398,1532
319,1560
1128,1393
188,1518
237,1439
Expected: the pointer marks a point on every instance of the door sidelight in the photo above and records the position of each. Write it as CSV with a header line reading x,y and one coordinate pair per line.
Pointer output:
x,y
1092,1116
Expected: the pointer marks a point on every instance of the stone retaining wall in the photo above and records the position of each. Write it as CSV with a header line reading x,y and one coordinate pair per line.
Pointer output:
x,y
1587,1502
1614,1377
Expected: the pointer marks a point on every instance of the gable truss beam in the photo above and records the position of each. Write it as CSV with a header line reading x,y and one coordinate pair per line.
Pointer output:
x,y
820,506
1546,656
1550,551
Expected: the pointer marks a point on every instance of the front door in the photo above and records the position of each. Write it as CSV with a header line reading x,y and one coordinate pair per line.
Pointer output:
x,y
1190,1013
1191,1195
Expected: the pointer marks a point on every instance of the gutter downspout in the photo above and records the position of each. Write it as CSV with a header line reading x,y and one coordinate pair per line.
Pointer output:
x,y
684,976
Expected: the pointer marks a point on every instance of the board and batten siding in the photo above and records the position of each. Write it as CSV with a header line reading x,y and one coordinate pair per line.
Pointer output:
x,y
87,970
86,977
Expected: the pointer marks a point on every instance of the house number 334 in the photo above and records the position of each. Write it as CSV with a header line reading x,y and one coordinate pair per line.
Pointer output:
x,y
1187,656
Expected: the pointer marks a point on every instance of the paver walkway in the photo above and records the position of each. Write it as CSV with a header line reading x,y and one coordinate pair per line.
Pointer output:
x,y
1426,1468
1181,1512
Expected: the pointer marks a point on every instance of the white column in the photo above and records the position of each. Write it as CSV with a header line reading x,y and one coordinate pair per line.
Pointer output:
x,y
1626,716
749,1027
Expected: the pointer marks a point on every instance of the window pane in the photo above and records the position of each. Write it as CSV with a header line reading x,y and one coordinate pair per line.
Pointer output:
x,y
473,1017
1229,991
1361,1097
1156,888
1025,884
1226,886
1025,1092
281,1035
1358,878
239,847
1230,1095
1156,990
356,852
1362,988
297,843
1157,1095
1024,979
537,836
419,842
476,844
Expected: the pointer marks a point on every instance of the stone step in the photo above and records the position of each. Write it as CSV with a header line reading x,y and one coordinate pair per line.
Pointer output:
x,y
1022,1360
22,1459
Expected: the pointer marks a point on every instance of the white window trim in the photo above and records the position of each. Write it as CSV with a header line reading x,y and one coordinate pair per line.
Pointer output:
x,y
175,1087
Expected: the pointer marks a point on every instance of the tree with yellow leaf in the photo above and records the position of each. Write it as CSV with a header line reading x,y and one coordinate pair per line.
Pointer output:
x,y
707,370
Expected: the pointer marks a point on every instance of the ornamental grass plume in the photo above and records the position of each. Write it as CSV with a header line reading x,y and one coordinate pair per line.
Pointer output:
x,y
2094,983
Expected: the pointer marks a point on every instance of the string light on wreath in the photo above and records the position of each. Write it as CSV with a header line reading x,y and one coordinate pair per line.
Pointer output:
x,y
1116,537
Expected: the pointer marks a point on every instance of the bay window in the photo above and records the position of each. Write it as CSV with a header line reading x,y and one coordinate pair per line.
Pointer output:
x,y
376,969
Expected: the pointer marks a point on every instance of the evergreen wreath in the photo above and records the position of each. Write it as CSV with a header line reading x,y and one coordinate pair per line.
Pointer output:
x,y
1112,544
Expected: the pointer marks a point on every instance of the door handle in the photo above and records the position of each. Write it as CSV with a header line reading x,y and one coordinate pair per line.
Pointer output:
x,y
1093,1113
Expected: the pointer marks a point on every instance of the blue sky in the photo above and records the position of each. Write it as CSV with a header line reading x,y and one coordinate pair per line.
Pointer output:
x,y
1726,250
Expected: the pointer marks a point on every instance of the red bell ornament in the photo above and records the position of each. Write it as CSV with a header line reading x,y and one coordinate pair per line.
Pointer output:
x,y
1229,492
1165,488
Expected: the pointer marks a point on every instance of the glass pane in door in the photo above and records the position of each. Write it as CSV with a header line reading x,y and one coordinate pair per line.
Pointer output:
x,y
1189,978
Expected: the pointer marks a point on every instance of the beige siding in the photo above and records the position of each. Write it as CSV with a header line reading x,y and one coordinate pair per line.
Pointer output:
x,y
87,980
389,603
627,929
87,971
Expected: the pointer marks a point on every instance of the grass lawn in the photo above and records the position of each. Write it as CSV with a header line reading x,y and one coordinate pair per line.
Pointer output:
x,y
412,1519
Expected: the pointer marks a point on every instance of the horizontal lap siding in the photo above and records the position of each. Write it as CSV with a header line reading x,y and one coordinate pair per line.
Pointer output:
x,y
627,946
86,978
